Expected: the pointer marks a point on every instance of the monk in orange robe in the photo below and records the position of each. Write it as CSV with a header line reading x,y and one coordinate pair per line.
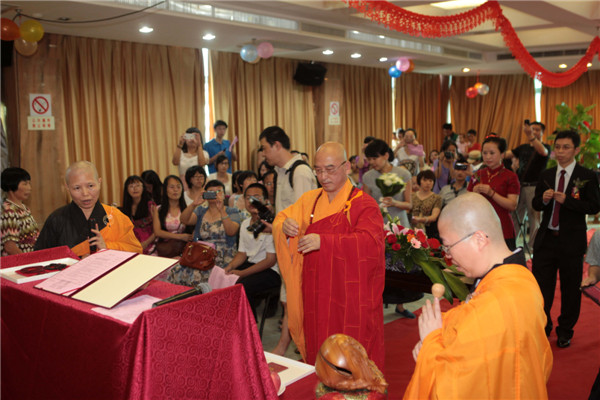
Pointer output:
x,y
330,249
493,346
85,221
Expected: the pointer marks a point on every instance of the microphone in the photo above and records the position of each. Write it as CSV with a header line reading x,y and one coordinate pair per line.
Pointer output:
x,y
92,225
201,288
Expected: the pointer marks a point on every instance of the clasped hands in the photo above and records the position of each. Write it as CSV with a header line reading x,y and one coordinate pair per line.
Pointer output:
x,y
306,243
550,194
483,189
429,320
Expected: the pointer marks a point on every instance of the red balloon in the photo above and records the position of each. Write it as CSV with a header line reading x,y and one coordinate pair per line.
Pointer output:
x,y
471,92
9,30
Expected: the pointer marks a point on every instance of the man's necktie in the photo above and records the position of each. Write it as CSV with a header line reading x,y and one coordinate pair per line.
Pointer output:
x,y
561,188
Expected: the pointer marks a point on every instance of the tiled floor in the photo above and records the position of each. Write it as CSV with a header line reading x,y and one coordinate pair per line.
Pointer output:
x,y
271,331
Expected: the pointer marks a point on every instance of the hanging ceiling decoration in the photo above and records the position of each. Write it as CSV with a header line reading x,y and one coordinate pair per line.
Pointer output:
x,y
410,23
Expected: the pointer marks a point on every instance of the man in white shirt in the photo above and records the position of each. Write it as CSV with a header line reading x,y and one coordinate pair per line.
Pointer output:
x,y
255,262
294,178
275,144
565,194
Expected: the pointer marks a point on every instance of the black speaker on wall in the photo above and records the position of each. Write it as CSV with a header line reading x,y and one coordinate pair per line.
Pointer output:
x,y
310,74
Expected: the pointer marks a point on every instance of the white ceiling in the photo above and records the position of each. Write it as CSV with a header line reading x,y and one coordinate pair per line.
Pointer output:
x,y
543,26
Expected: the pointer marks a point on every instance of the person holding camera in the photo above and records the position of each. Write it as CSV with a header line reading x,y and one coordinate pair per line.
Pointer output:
x,y
459,186
499,185
443,167
255,261
216,223
189,151
532,157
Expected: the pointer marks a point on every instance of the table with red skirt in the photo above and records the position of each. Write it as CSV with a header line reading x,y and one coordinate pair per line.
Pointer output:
x,y
206,346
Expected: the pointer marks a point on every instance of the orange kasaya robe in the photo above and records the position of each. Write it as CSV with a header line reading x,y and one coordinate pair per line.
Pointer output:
x,y
492,347
338,288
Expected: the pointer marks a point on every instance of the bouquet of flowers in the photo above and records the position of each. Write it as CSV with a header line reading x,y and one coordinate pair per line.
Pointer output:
x,y
390,184
414,249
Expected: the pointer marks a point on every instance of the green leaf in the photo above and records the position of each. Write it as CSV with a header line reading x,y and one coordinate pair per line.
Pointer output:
x,y
435,275
458,287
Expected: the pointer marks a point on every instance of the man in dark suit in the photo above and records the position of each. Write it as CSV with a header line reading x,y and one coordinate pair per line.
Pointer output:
x,y
566,194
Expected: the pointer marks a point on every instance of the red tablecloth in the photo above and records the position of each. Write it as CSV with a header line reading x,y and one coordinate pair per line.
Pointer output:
x,y
204,347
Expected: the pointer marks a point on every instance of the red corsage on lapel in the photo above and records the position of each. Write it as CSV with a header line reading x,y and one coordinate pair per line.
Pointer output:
x,y
577,186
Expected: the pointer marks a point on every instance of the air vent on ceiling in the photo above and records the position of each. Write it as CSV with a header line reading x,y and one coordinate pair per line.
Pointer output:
x,y
545,54
322,30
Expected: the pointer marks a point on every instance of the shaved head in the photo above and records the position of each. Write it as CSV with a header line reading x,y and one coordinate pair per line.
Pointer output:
x,y
81,166
469,213
332,149
331,167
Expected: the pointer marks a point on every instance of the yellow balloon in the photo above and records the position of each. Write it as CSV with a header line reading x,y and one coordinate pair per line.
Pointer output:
x,y
25,48
31,30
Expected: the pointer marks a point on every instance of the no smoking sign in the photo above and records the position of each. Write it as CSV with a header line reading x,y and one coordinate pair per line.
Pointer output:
x,y
40,113
40,105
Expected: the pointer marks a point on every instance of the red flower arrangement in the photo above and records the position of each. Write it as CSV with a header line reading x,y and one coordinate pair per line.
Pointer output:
x,y
416,251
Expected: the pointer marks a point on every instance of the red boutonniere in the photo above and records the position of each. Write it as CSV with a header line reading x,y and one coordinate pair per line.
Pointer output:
x,y
577,186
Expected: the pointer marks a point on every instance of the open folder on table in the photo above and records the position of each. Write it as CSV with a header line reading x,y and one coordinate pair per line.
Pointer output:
x,y
106,277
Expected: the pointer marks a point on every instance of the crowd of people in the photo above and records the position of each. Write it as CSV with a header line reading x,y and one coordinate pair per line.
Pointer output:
x,y
331,212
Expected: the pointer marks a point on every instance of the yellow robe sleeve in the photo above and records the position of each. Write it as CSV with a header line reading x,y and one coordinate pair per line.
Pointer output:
x,y
493,347
290,262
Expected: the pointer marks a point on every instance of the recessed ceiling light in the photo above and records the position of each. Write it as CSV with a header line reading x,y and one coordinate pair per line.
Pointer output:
x,y
383,59
466,69
562,66
355,32
146,29
209,36
328,52
356,55
381,37
455,4
589,64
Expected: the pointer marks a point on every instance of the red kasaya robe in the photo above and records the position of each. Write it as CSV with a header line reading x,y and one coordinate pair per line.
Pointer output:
x,y
338,288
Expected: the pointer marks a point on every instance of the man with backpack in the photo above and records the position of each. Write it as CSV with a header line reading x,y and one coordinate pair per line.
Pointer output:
x,y
294,178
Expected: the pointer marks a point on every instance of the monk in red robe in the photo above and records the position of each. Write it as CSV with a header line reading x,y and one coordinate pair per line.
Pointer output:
x,y
330,249
493,346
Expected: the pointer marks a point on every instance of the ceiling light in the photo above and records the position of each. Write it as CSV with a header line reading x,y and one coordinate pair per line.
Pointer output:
x,y
383,59
381,37
209,36
328,52
146,29
466,69
455,4
562,66
356,55
356,32
589,65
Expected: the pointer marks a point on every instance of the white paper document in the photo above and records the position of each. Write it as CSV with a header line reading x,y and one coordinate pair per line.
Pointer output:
x,y
85,271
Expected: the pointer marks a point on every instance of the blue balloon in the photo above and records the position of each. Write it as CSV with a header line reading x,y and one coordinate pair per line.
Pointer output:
x,y
249,53
394,72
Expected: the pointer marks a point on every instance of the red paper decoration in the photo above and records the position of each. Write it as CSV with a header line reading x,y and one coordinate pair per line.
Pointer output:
x,y
414,24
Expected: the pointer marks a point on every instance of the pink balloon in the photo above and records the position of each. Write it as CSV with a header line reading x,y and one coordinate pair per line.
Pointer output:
x,y
403,64
471,92
265,50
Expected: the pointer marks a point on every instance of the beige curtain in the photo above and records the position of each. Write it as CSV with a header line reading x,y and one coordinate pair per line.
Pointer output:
x,y
126,104
251,97
421,104
584,91
365,104
511,100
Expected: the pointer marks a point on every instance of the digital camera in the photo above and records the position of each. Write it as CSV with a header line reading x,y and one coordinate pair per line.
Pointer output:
x,y
263,213
209,195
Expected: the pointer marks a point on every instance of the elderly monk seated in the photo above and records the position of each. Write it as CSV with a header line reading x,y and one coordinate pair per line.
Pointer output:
x,y
492,346
86,223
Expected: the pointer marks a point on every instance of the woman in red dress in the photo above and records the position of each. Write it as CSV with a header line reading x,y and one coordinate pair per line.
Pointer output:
x,y
500,186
